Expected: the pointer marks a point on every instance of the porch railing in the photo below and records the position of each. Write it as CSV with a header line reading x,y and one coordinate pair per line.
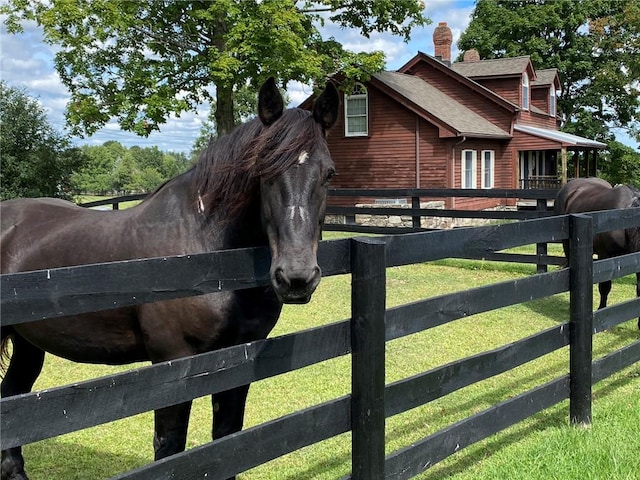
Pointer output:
x,y
540,181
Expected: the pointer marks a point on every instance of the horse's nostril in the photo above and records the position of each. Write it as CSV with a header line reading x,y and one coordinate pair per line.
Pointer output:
x,y
280,277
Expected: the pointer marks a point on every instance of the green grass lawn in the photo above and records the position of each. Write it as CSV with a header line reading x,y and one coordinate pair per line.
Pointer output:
x,y
542,447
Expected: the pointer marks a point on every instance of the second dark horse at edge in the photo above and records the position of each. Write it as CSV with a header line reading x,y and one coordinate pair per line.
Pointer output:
x,y
593,194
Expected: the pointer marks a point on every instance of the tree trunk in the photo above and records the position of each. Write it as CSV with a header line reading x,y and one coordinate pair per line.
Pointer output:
x,y
224,89
224,109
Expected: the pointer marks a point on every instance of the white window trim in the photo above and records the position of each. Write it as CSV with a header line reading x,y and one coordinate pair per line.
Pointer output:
x,y
553,102
483,168
525,87
364,95
474,170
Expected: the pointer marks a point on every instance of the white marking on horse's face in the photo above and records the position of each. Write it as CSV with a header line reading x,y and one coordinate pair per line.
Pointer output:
x,y
200,204
302,158
301,211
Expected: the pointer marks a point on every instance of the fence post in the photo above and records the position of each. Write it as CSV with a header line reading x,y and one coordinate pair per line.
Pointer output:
x,y
368,293
581,308
541,248
415,219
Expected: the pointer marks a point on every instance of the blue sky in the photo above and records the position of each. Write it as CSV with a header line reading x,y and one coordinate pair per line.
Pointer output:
x,y
28,62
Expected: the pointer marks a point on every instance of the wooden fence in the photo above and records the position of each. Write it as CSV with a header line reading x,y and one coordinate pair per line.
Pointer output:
x,y
37,295
541,210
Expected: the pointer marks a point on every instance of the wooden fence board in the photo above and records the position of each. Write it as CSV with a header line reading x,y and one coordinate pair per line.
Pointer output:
x,y
613,315
432,312
530,193
248,448
55,292
616,267
425,387
476,241
412,460
439,212
616,361
621,218
61,410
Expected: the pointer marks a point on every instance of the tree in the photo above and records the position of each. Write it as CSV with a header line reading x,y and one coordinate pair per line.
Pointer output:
x,y
142,61
36,161
620,164
594,44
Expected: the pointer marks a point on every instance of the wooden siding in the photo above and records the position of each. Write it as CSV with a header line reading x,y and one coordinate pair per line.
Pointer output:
x,y
383,159
507,88
434,158
540,98
504,174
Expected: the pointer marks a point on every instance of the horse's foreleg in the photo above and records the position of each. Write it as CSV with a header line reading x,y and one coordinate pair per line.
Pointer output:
x,y
171,424
24,368
604,288
228,412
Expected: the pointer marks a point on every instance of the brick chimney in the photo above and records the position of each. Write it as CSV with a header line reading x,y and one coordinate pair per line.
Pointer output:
x,y
471,56
442,38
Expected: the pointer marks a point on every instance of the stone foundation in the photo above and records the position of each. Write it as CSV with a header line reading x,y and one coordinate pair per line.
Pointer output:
x,y
406,221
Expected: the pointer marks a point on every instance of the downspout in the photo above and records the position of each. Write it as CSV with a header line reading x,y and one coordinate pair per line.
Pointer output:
x,y
453,168
417,151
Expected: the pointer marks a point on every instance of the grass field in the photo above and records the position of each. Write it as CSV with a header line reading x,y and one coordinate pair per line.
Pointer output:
x,y
543,447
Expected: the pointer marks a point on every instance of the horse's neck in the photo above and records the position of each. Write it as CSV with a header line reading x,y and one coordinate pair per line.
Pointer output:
x,y
245,230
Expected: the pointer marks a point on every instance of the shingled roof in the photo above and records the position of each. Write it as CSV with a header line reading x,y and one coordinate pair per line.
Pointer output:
x,y
497,67
440,106
545,77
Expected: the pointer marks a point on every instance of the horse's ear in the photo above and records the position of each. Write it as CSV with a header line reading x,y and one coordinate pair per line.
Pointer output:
x,y
270,103
325,108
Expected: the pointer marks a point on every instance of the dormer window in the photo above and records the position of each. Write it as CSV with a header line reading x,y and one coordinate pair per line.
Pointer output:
x,y
552,102
356,122
525,91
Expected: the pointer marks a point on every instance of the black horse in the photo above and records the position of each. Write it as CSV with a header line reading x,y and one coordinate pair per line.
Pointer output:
x,y
592,194
263,184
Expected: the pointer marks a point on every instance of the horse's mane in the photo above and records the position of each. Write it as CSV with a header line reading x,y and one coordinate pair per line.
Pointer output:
x,y
227,171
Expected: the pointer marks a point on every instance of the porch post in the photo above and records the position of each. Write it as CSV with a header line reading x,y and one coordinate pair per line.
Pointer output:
x,y
563,156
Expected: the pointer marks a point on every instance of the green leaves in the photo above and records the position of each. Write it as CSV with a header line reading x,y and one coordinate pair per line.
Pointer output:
x,y
595,44
36,161
145,60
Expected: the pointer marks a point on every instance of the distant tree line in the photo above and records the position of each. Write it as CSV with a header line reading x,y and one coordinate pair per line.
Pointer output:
x,y
38,161
112,168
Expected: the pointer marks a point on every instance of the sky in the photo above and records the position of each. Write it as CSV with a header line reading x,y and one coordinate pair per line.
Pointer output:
x,y
27,62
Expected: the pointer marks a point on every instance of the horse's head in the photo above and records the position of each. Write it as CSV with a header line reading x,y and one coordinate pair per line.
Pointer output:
x,y
294,198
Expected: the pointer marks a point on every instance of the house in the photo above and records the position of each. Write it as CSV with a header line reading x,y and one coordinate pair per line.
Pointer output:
x,y
470,124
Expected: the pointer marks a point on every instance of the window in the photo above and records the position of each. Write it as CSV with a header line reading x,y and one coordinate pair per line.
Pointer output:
x,y
355,112
525,91
469,169
552,102
488,157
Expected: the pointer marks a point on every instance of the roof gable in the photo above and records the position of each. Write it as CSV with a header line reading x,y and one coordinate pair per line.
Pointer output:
x,y
438,107
547,77
468,82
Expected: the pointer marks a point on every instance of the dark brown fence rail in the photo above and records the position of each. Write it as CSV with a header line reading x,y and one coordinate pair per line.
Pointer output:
x,y
541,210
32,296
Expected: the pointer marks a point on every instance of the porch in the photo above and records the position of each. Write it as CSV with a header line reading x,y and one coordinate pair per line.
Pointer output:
x,y
567,156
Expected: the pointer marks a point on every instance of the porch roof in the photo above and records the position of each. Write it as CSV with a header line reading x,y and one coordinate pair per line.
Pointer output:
x,y
566,139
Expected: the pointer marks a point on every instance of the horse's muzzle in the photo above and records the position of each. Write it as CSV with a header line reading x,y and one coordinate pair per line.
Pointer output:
x,y
295,285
